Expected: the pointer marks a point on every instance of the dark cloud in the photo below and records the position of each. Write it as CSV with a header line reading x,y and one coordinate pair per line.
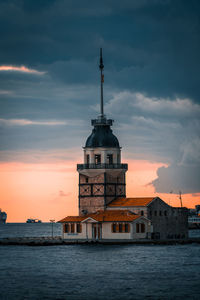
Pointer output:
x,y
178,178
151,54
151,46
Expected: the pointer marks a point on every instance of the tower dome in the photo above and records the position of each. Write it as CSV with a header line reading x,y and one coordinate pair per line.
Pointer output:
x,y
102,136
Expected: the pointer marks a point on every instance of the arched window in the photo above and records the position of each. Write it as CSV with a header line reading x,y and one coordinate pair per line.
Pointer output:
x,y
142,213
110,159
87,159
137,227
97,158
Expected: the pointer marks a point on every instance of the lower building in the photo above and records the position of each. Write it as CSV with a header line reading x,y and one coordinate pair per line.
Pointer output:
x,y
129,219
107,225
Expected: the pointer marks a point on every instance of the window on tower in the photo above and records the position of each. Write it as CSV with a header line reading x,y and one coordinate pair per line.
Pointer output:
x,y
87,158
97,159
110,159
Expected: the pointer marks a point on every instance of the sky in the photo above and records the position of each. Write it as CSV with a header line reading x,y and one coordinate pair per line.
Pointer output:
x,y
50,90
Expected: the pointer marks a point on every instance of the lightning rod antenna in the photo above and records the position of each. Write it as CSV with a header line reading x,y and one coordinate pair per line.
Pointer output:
x,y
180,198
101,67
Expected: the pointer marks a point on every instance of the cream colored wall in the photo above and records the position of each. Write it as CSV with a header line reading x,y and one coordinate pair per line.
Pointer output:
x,y
75,235
108,234
85,234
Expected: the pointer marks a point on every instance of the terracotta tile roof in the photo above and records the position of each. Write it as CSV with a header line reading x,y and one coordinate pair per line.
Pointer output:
x,y
130,202
72,219
113,216
105,216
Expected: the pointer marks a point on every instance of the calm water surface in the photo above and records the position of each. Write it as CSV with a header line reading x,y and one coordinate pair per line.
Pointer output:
x,y
100,272
29,230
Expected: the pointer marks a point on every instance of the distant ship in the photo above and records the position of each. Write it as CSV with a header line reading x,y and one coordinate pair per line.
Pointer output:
x,y
3,217
33,221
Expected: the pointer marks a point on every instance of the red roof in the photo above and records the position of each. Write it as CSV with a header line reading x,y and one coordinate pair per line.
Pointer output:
x,y
105,216
130,202
72,219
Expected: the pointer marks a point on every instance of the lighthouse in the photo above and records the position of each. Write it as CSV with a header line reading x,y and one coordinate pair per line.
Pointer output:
x,y
102,176
105,213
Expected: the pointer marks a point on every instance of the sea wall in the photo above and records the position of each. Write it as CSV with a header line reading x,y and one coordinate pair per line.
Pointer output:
x,y
49,241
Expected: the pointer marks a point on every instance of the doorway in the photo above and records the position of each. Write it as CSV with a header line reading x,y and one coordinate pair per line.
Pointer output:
x,y
96,231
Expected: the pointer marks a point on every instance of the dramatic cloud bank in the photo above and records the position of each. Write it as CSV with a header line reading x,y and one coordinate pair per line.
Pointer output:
x,y
166,130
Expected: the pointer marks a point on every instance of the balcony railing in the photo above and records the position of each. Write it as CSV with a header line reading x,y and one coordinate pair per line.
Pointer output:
x,y
102,166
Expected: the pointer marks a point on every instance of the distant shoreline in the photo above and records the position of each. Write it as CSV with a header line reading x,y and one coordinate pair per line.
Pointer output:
x,y
49,241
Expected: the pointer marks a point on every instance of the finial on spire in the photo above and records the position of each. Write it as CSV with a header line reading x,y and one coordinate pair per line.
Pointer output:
x,y
101,67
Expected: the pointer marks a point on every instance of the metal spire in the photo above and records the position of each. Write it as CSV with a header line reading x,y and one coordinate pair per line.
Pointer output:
x,y
101,67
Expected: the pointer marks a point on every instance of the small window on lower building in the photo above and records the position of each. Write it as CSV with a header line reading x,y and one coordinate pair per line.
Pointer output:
x,y
114,228
72,228
142,227
127,228
117,227
142,213
66,227
78,228
88,159
120,227
86,179
137,227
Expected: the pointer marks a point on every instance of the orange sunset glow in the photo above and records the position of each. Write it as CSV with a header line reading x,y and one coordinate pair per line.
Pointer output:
x,y
47,191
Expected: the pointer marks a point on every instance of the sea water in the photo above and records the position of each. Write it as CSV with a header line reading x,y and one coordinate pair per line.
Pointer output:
x,y
30,230
99,271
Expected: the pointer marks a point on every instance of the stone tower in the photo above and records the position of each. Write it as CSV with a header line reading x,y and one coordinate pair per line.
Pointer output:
x,y
102,176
